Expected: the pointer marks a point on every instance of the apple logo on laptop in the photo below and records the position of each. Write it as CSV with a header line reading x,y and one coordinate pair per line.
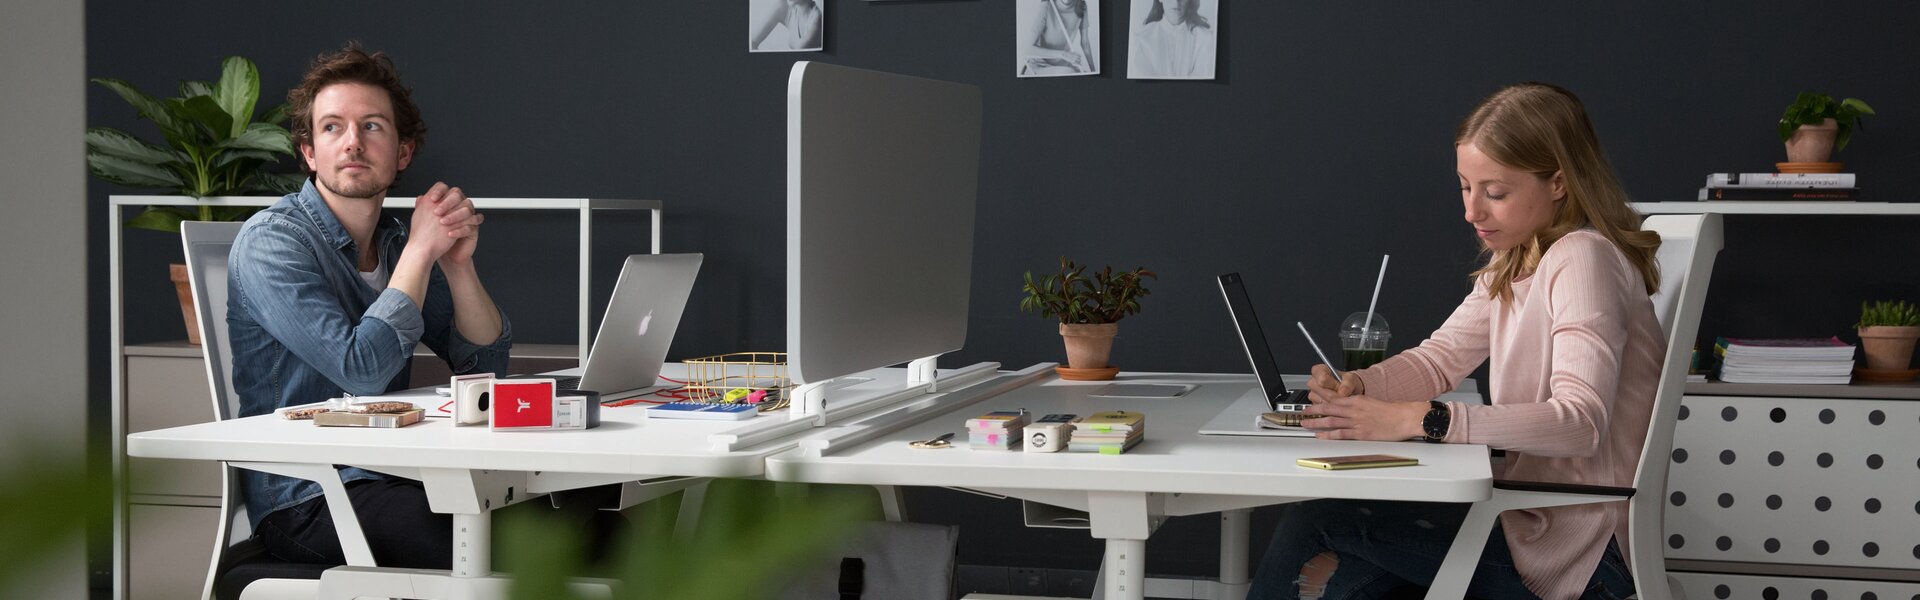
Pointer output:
x,y
644,321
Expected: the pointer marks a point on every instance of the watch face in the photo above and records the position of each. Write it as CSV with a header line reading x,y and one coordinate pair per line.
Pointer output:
x,y
1437,421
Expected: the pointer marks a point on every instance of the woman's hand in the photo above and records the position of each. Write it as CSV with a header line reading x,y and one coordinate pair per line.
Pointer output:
x,y
1323,386
1366,418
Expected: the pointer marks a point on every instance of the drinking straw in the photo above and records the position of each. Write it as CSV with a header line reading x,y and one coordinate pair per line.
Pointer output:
x,y
1376,298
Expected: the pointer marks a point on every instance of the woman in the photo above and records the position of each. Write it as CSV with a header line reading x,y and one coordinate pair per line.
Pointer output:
x,y
1055,41
1174,42
1561,310
802,19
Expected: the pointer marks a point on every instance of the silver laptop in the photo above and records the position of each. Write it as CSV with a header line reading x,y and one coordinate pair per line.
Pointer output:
x,y
638,327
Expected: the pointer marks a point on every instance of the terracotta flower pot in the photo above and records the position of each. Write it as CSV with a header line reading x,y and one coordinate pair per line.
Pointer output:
x,y
1813,143
1088,345
1888,348
184,289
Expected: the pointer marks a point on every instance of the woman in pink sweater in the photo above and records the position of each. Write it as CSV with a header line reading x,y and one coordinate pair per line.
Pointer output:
x,y
1562,311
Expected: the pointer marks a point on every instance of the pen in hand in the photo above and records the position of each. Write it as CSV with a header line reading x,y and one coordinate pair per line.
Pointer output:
x,y
1316,350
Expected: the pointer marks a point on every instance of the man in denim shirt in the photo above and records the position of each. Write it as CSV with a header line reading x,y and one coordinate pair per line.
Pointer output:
x,y
327,296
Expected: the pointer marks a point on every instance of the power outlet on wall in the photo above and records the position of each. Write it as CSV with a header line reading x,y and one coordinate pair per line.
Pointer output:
x,y
1027,581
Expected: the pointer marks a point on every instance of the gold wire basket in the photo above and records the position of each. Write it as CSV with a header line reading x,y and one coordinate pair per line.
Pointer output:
x,y
709,378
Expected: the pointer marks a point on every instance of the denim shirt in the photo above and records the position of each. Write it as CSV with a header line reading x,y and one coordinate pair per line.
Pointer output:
x,y
305,327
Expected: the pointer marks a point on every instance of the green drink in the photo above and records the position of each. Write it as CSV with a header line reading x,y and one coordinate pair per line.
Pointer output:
x,y
1363,339
1361,358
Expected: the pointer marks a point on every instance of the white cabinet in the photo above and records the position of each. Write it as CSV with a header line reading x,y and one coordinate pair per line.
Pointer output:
x,y
1795,491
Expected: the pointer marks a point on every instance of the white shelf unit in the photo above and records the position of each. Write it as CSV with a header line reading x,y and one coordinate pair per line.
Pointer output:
x,y
1730,207
1795,490
117,213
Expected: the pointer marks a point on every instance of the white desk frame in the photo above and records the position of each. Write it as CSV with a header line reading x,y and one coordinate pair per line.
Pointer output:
x,y
117,213
470,471
1175,471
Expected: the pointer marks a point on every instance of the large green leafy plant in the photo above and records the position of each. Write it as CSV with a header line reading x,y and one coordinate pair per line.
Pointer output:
x,y
1073,296
1813,108
214,146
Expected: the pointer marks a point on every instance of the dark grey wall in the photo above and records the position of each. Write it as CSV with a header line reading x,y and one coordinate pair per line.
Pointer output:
x,y
1325,143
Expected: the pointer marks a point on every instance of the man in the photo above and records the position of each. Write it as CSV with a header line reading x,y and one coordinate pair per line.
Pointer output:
x,y
328,297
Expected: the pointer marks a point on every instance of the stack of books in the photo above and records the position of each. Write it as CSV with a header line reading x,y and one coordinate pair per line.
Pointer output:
x,y
1840,187
1790,360
1111,432
997,430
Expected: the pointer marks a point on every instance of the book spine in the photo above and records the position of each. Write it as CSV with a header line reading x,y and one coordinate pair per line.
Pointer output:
x,y
1783,180
1836,194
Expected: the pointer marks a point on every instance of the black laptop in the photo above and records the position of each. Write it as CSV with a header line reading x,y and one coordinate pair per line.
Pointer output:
x,y
1255,342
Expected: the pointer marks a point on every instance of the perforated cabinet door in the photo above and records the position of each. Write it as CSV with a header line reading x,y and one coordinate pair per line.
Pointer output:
x,y
1805,481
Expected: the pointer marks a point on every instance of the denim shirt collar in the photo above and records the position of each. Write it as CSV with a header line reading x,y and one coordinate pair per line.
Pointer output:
x,y
309,202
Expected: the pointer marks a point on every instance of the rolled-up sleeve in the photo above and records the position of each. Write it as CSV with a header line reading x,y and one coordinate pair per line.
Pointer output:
x,y
442,336
277,277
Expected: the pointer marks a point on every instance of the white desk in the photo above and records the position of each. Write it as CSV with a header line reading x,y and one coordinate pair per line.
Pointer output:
x,y
469,471
1175,471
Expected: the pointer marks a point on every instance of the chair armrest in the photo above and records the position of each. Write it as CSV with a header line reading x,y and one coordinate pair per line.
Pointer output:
x,y
1562,488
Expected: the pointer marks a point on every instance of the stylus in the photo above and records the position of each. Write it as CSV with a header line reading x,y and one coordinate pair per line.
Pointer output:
x,y
1316,350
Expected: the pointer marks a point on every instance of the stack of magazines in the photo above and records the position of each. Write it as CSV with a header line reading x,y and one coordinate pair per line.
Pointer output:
x,y
1785,360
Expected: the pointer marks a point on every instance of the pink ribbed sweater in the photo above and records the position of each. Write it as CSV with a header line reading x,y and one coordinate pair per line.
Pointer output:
x,y
1575,361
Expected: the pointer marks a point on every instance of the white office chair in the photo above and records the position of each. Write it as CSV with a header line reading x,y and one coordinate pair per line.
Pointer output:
x,y
1689,245
241,568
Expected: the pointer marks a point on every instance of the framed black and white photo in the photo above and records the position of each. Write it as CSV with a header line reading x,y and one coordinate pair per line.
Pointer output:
x,y
786,25
1172,39
1056,38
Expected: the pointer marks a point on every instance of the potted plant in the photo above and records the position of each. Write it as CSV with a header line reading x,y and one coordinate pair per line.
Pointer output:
x,y
1887,334
213,147
1089,308
1814,127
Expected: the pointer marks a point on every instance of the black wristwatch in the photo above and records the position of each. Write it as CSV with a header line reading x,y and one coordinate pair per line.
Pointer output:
x,y
1439,418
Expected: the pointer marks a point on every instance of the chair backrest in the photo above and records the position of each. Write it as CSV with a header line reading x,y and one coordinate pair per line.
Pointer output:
x,y
207,245
1688,246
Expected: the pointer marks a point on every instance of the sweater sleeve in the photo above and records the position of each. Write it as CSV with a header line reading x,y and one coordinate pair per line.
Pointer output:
x,y
1438,364
1587,289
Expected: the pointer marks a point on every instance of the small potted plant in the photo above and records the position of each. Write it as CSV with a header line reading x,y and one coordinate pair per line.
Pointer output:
x,y
213,146
1814,127
1887,334
1089,308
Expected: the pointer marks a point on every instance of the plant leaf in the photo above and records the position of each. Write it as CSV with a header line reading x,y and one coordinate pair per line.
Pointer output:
x,y
206,113
275,115
131,173
228,157
155,219
280,183
116,143
148,108
1857,105
261,136
189,89
236,93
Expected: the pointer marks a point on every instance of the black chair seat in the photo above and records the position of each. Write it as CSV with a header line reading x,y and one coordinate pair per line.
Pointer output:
x,y
249,561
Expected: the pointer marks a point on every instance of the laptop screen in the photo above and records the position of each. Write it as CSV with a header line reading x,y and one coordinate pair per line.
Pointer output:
x,y
1252,338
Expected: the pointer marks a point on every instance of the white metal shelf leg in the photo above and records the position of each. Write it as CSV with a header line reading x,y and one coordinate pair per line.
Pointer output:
x,y
892,502
473,545
1235,536
691,500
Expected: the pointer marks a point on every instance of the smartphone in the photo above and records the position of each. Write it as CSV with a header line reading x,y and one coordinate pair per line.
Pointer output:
x,y
1363,461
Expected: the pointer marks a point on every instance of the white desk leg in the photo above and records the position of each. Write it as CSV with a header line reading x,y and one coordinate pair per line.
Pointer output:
x,y
1125,570
1234,539
1124,520
1457,570
473,544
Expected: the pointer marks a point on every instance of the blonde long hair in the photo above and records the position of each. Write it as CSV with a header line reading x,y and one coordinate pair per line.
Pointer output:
x,y
1542,129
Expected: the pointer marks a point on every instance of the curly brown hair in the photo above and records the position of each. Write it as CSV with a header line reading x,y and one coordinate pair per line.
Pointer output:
x,y
354,65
